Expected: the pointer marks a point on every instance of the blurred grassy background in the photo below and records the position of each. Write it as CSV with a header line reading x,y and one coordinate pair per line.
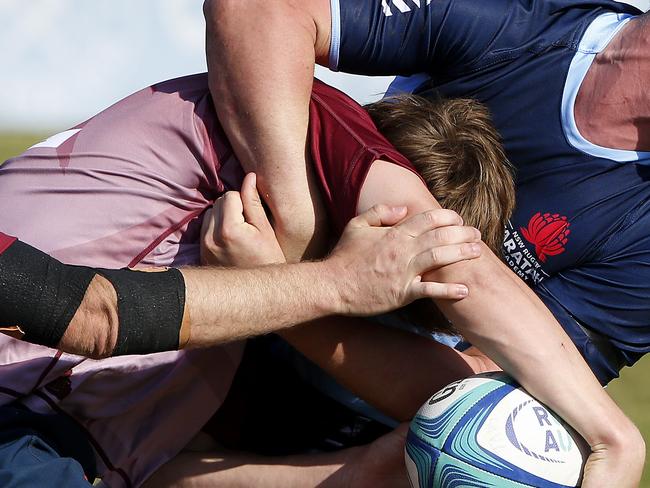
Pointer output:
x,y
12,144
631,391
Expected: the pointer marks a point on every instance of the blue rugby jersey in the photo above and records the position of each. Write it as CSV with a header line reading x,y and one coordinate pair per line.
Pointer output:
x,y
579,234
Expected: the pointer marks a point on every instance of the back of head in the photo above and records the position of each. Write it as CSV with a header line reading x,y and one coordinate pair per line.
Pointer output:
x,y
457,151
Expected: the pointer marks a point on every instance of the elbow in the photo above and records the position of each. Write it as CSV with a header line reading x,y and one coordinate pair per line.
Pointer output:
x,y
94,328
627,439
105,338
300,224
301,236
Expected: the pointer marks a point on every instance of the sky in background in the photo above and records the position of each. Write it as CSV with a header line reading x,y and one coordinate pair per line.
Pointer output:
x,y
65,60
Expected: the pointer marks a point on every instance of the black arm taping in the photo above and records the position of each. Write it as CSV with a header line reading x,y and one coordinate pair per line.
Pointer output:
x,y
39,293
150,309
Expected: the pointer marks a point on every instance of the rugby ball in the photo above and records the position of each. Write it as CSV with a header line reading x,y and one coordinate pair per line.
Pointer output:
x,y
486,431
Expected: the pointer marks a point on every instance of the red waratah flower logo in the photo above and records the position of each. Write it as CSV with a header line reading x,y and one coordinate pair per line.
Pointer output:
x,y
548,232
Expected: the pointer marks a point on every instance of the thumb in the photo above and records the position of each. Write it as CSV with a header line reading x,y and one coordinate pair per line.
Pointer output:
x,y
379,215
207,226
254,212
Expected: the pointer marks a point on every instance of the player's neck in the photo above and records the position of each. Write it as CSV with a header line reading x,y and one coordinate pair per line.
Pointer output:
x,y
613,105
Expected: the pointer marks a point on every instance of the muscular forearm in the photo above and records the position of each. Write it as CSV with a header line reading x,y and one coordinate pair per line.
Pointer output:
x,y
372,269
277,50
225,305
252,46
523,337
221,305
98,313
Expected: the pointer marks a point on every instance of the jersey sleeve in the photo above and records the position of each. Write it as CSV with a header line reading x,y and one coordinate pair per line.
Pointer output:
x,y
344,143
387,37
444,38
381,37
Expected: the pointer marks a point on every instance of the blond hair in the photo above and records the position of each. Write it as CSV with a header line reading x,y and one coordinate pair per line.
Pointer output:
x,y
457,151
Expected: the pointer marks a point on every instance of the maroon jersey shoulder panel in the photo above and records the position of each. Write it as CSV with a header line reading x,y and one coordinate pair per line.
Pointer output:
x,y
344,143
5,242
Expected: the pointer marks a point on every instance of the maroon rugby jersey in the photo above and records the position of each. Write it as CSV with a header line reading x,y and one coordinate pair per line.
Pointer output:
x,y
344,143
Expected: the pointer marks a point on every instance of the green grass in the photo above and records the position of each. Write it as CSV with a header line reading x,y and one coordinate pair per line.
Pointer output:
x,y
12,144
631,391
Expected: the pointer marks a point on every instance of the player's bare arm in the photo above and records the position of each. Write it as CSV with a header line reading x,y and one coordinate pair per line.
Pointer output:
x,y
535,350
613,82
371,269
371,358
269,71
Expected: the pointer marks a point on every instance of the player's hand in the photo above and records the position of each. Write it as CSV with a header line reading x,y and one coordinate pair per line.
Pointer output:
x,y
237,233
619,465
380,464
381,267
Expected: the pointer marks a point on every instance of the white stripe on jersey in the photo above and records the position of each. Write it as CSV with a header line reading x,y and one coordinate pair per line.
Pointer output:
x,y
400,5
57,139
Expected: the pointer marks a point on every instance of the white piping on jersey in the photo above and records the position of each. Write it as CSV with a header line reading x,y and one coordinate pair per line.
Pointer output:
x,y
596,38
335,40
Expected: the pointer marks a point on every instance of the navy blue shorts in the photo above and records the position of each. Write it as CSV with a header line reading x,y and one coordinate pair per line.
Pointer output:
x,y
42,450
